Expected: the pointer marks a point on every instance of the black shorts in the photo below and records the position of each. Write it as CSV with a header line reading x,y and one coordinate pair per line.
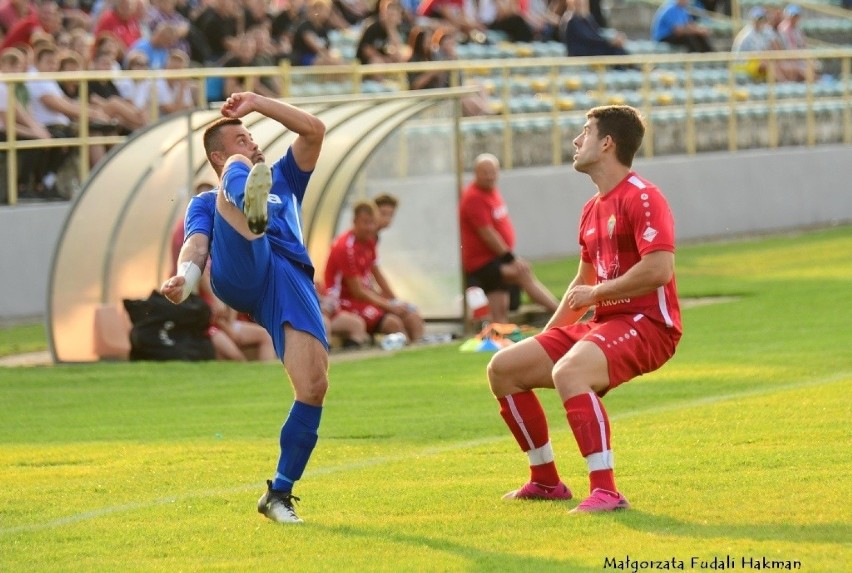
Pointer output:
x,y
487,277
490,279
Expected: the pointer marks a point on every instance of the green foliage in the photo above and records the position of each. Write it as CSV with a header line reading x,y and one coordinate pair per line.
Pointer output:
x,y
738,447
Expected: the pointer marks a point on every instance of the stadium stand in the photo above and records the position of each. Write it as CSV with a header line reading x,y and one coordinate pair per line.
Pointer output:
x,y
538,95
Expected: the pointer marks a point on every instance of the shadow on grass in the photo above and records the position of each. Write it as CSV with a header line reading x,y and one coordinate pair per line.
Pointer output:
x,y
801,533
477,559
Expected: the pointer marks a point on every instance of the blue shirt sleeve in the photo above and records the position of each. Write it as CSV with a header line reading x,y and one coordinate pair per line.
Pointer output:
x,y
297,180
199,214
668,18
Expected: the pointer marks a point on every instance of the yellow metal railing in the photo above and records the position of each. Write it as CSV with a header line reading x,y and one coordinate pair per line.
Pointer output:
x,y
547,73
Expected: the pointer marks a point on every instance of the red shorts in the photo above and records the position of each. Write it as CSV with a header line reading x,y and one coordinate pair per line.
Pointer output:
x,y
371,314
633,345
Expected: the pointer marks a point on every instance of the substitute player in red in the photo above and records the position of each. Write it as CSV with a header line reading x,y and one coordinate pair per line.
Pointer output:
x,y
353,274
627,273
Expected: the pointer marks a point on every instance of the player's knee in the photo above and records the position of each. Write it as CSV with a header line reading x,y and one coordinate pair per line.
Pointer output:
x,y
315,388
238,158
498,372
392,323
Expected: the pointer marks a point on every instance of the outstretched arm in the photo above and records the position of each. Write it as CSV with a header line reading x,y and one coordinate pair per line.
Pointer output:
x,y
310,129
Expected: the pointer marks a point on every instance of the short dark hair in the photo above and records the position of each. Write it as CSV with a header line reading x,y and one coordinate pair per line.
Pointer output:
x,y
625,125
213,135
385,199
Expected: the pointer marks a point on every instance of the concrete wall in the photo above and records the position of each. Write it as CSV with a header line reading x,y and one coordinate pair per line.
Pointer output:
x,y
712,195
28,235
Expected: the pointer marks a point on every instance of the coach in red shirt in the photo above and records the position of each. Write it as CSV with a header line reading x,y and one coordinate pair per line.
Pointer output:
x,y
488,240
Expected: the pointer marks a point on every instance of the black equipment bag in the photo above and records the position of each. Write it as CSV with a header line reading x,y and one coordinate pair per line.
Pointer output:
x,y
165,331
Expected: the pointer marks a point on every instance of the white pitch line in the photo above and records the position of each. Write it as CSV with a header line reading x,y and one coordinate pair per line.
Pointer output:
x,y
431,451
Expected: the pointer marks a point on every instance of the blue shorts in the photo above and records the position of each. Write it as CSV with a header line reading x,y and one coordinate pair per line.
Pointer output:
x,y
274,290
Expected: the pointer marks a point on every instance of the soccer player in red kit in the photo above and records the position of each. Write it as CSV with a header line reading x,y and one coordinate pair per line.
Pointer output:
x,y
351,272
626,273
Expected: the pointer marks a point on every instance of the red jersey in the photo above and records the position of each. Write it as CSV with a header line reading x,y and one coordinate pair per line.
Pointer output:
x,y
427,7
127,31
349,258
22,31
616,230
480,208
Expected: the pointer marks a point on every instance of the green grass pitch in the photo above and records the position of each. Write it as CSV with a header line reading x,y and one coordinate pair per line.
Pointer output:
x,y
738,448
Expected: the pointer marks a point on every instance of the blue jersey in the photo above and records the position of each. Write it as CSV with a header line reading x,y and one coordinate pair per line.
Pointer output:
x,y
284,229
669,16
270,277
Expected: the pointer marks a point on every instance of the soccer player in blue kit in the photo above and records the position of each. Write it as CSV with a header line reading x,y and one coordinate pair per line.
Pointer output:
x,y
250,226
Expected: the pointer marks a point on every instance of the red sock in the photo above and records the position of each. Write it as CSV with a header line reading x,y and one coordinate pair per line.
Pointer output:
x,y
525,417
590,424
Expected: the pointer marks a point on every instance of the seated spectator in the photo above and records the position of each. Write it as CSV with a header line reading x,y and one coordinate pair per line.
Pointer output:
x,y
76,15
218,25
163,39
350,327
269,50
420,47
452,14
581,35
245,56
488,242
176,94
81,43
311,43
675,25
166,11
122,20
13,61
380,41
137,90
509,20
105,95
350,12
442,47
720,6
107,42
268,53
353,273
51,107
543,17
754,38
284,24
409,15
46,17
256,13
13,11
793,38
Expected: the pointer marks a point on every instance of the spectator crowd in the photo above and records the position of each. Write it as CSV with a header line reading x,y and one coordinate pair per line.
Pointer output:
x,y
111,35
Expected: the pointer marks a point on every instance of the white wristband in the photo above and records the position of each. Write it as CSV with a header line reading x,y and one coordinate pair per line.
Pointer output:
x,y
191,274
